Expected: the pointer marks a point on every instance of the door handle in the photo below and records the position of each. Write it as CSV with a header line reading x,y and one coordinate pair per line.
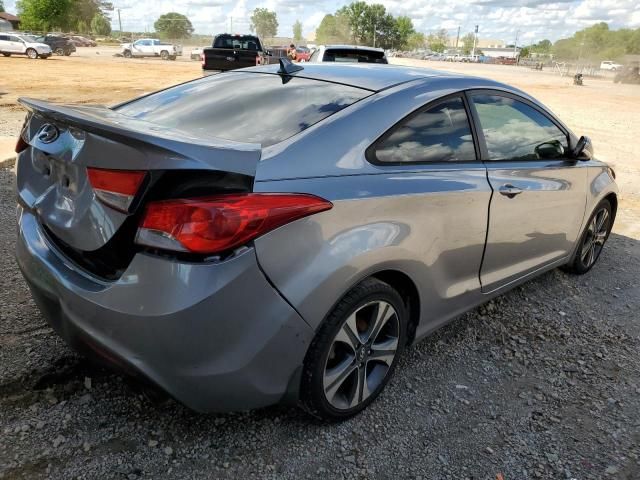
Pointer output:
x,y
509,190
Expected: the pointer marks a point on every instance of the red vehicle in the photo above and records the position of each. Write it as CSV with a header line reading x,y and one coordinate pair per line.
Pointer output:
x,y
302,54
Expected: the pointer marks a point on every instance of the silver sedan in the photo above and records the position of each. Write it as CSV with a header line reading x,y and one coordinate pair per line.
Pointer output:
x,y
283,233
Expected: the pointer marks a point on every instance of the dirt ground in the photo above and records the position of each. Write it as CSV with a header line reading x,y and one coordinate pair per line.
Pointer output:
x,y
540,383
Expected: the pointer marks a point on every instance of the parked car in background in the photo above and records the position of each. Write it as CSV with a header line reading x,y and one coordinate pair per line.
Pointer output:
x,y
196,53
151,47
59,45
628,74
282,233
610,66
348,54
303,54
14,44
84,41
230,52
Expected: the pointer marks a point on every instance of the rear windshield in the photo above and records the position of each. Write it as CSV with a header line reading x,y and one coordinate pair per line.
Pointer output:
x,y
244,107
241,42
353,55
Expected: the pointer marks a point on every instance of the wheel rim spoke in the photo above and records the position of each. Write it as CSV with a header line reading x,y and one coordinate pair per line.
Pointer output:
x,y
362,388
348,334
335,379
602,220
382,315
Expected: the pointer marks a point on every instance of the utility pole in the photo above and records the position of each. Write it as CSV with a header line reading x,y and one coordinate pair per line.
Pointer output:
x,y
515,45
119,21
475,38
457,37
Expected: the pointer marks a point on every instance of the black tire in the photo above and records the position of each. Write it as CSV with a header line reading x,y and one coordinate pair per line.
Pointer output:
x,y
6,54
371,293
67,53
172,57
585,258
164,55
59,51
32,53
127,54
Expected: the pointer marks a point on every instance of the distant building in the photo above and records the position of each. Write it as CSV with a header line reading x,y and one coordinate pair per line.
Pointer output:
x,y
8,22
480,42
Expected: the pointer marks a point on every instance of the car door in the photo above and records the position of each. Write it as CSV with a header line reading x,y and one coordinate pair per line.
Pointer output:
x,y
5,45
446,187
16,45
539,192
138,48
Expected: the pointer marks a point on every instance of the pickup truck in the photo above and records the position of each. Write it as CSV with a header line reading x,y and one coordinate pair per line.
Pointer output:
x,y
151,47
230,52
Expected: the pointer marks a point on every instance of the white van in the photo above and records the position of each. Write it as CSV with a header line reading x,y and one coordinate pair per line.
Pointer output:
x,y
17,44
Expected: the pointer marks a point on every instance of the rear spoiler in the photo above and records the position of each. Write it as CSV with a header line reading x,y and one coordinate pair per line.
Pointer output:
x,y
186,149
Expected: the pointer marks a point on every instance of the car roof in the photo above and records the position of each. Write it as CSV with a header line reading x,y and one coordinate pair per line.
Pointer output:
x,y
374,77
353,47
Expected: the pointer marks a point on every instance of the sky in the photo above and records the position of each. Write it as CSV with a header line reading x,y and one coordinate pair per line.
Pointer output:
x,y
530,20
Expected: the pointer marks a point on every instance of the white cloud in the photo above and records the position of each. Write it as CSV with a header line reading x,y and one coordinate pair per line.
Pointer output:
x,y
536,19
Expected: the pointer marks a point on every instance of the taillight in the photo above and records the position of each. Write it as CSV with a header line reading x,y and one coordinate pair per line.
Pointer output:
x,y
222,222
21,144
258,60
202,58
116,188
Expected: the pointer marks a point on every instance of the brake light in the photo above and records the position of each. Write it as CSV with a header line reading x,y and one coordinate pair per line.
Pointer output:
x,y
116,188
21,144
222,222
202,58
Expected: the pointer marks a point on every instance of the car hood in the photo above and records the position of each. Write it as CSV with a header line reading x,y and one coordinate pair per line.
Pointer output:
x,y
37,45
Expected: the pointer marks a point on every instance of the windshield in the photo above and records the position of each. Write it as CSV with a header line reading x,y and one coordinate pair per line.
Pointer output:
x,y
245,107
353,55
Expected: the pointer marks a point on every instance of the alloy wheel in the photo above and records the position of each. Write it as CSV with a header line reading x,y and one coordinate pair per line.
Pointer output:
x,y
597,233
361,355
32,54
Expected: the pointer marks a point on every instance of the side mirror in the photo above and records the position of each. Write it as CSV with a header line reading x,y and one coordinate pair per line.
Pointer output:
x,y
583,149
552,149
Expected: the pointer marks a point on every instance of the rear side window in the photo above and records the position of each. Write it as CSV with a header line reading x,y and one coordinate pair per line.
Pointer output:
x,y
515,131
245,107
439,133
352,55
238,43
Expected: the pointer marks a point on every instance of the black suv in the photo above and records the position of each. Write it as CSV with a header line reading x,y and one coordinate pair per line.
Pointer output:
x,y
59,45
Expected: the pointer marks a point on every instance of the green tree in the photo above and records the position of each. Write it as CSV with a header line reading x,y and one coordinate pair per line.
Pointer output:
x,y
264,22
173,25
43,15
438,41
467,43
416,40
333,29
297,31
355,14
81,27
1,6
100,25
405,29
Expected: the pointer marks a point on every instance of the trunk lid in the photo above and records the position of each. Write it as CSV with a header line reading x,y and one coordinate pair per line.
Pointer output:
x,y
64,141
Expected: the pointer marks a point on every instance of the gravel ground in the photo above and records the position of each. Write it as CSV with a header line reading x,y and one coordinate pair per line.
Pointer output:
x,y
543,382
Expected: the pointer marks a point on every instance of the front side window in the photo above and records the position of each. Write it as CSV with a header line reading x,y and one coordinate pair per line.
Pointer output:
x,y
244,107
515,131
439,133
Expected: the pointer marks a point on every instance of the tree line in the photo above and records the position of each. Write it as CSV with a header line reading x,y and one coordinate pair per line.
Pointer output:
x,y
367,24
82,16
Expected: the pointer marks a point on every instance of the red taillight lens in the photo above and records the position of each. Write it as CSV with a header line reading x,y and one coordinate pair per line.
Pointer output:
x,y
222,222
116,188
21,144
202,59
